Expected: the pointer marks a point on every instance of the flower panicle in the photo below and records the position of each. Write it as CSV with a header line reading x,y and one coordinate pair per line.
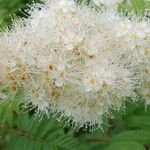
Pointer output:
x,y
72,60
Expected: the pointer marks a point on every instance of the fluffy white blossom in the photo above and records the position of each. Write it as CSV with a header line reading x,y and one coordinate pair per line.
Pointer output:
x,y
110,4
71,59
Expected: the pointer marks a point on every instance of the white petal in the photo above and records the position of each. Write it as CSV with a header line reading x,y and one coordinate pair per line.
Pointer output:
x,y
59,82
60,67
69,47
88,88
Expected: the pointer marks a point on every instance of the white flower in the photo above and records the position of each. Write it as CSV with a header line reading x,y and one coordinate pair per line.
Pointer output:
x,y
142,29
71,40
71,59
124,28
91,82
110,4
60,75
65,5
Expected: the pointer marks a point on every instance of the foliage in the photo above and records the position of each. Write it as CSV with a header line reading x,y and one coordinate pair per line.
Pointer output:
x,y
130,130
23,131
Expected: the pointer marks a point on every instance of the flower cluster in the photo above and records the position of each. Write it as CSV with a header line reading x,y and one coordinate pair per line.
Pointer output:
x,y
70,59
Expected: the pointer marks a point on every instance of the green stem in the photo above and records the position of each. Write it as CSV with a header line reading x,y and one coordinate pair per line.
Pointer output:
x,y
21,133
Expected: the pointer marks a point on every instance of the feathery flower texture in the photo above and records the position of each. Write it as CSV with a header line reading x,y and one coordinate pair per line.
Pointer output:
x,y
72,60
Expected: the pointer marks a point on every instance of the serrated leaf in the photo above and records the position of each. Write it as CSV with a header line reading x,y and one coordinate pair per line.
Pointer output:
x,y
46,134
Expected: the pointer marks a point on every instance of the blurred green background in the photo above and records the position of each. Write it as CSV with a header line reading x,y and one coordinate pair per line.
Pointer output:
x,y
129,130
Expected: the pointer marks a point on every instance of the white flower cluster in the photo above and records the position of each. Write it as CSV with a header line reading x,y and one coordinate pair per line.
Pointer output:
x,y
109,4
72,60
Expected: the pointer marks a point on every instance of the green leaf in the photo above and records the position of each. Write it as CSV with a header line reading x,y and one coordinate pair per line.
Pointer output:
x,y
130,145
7,113
33,133
139,136
142,122
138,6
